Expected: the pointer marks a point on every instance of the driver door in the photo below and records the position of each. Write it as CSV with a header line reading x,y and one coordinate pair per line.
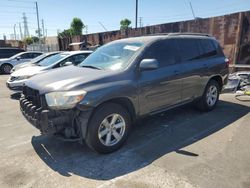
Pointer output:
x,y
160,88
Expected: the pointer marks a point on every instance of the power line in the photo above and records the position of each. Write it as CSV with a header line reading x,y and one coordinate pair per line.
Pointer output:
x,y
9,12
16,6
22,1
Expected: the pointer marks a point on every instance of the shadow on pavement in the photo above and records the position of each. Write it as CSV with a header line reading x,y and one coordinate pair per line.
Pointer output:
x,y
149,140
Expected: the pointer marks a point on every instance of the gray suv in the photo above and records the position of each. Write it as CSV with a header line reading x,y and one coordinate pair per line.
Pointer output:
x,y
122,81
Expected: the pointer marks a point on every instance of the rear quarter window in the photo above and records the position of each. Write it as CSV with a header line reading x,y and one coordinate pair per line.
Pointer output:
x,y
209,48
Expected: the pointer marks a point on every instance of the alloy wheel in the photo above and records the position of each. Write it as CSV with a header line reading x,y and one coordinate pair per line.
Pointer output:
x,y
212,95
111,130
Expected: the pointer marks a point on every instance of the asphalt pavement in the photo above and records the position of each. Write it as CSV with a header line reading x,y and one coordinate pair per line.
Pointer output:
x,y
179,148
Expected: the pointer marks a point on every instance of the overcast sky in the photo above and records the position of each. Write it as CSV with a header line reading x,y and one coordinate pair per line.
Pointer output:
x,y
57,14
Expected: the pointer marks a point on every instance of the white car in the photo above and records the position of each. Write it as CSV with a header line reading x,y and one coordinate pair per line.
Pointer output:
x,y
7,64
34,61
18,77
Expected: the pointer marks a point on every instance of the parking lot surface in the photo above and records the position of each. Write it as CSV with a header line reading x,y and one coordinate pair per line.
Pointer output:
x,y
179,148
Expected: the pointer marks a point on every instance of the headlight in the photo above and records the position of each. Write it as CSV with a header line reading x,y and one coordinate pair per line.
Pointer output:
x,y
24,77
64,99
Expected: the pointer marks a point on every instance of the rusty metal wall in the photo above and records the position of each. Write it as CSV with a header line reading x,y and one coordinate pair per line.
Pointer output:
x,y
230,30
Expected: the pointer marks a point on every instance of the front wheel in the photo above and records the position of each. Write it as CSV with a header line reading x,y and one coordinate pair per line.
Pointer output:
x,y
6,68
108,128
210,96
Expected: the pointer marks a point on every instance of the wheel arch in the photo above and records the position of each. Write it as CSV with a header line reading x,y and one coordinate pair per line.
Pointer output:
x,y
125,103
1,67
218,79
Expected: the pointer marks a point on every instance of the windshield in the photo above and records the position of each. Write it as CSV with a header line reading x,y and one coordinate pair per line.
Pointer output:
x,y
39,58
113,56
51,60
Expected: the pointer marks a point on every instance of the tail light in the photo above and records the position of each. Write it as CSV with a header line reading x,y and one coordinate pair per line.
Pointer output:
x,y
227,61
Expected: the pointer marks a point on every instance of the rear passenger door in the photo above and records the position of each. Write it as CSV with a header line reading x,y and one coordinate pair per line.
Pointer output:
x,y
25,57
160,88
193,67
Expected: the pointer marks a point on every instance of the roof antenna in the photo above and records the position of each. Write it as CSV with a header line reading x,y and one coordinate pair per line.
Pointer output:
x,y
103,26
192,10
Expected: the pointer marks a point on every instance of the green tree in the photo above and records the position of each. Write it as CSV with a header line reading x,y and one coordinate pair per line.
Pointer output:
x,y
65,33
125,24
35,39
28,40
77,26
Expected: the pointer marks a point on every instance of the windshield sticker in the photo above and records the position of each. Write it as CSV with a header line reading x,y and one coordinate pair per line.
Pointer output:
x,y
132,48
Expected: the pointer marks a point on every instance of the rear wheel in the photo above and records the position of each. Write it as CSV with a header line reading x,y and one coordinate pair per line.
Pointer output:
x,y
210,96
6,68
108,128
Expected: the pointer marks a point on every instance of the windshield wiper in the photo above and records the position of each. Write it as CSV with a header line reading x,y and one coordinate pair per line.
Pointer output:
x,y
90,66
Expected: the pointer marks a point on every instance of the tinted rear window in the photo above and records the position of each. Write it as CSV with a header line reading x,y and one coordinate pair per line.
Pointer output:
x,y
189,49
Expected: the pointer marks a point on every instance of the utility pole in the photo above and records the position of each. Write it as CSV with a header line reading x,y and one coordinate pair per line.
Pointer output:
x,y
15,31
43,27
43,31
140,22
21,33
38,25
136,13
86,29
25,24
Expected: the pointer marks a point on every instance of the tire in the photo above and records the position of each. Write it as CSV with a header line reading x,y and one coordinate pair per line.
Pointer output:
x,y
212,92
105,136
6,68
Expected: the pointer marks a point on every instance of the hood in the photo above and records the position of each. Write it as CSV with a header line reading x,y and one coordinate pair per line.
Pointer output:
x,y
26,64
4,59
28,71
66,78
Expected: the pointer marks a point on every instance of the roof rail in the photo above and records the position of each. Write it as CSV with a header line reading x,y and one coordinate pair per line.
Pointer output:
x,y
155,34
178,34
196,34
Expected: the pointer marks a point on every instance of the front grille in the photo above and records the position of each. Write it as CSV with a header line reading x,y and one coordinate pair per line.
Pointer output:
x,y
32,95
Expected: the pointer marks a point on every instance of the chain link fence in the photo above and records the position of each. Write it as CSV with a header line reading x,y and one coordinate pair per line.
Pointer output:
x,y
43,47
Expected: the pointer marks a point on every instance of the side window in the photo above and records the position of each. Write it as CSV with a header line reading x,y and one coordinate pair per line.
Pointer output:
x,y
24,56
69,59
34,55
164,51
77,59
209,49
189,49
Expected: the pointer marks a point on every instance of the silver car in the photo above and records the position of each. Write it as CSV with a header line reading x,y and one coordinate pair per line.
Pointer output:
x,y
7,64
34,61
19,77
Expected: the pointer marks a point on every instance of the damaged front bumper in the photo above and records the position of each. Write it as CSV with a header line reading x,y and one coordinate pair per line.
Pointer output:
x,y
70,124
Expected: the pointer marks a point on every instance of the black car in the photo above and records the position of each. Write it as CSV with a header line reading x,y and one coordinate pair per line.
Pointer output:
x,y
122,81
8,52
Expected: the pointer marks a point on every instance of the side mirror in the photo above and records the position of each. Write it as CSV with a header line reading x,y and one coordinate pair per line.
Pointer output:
x,y
68,63
18,58
149,64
